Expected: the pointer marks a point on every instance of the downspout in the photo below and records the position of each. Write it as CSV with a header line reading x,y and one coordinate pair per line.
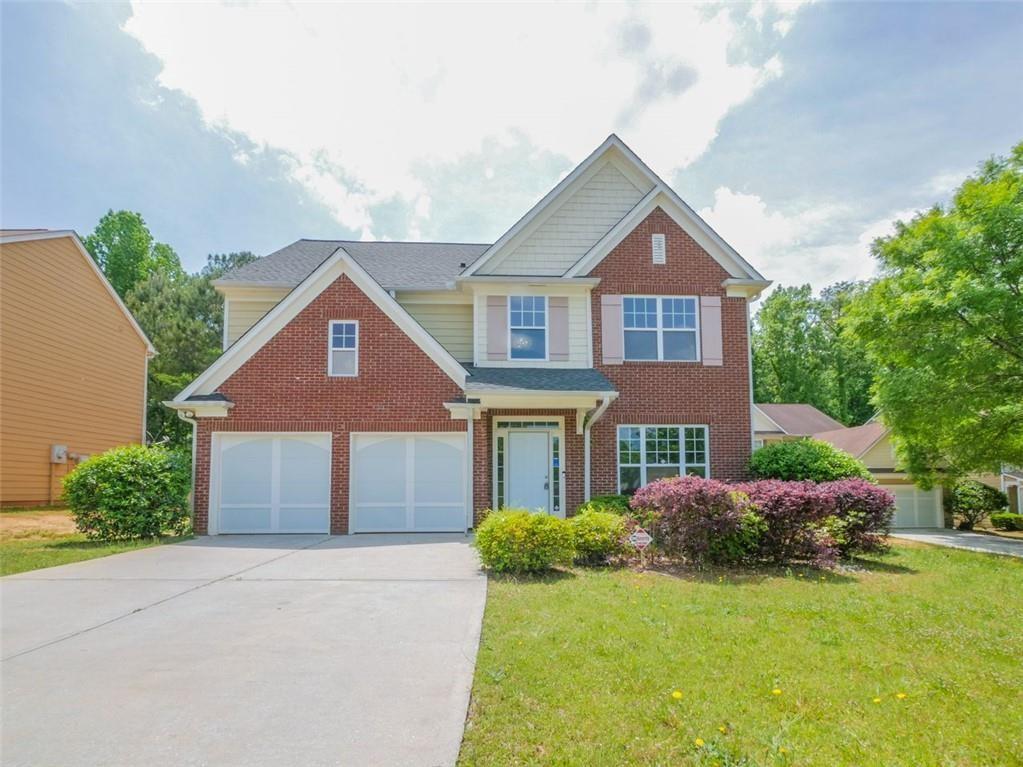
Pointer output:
x,y
590,420
749,365
190,418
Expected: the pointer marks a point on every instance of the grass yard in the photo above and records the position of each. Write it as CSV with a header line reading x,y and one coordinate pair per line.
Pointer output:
x,y
31,539
917,659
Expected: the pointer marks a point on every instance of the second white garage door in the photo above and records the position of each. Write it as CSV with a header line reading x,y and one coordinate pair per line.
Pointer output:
x,y
408,483
915,507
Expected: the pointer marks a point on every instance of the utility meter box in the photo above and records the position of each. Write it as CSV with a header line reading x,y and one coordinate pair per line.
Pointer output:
x,y
58,453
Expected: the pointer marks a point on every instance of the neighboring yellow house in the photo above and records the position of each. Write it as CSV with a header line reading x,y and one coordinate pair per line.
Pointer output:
x,y
73,364
774,422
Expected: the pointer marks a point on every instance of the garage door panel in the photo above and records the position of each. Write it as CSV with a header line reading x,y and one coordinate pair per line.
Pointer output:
x,y
408,482
243,519
246,472
915,507
303,467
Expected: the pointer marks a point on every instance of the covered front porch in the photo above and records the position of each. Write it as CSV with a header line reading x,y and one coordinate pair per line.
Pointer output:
x,y
529,430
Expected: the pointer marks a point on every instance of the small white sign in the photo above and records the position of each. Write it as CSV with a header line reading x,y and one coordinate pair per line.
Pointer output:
x,y
640,538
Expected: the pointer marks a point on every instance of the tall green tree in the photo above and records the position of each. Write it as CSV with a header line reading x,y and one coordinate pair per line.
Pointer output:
x,y
944,327
127,253
800,354
183,317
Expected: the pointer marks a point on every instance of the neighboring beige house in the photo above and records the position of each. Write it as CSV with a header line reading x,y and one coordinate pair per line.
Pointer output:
x,y
73,364
1011,483
780,422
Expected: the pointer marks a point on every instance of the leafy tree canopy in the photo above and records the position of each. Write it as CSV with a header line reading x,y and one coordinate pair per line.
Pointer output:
x,y
125,250
800,354
944,327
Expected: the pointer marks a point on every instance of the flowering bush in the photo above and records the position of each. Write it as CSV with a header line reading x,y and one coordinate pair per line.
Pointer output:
x,y
794,514
597,536
701,520
862,514
519,541
805,459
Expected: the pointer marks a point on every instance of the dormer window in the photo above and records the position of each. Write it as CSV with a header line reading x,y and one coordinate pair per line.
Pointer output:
x,y
527,327
343,358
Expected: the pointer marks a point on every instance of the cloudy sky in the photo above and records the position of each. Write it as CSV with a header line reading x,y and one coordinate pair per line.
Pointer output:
x,y
799,131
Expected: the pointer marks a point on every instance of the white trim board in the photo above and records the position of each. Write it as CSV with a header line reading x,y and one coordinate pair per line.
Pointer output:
x,y
337,264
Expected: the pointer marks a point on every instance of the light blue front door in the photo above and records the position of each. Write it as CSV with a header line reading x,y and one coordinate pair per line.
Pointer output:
x,y
529,463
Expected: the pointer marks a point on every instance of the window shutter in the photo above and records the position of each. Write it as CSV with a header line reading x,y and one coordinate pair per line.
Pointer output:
x,y
611,329
497,327
557,328
657,246
710,330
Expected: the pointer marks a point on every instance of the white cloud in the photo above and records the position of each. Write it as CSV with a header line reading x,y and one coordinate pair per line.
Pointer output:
x,y
360,95
819,245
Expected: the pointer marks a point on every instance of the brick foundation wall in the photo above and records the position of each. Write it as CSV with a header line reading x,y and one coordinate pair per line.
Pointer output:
x,y
285,387
673,392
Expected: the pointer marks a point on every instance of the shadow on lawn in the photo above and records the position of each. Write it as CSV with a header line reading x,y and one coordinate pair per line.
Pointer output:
x,y
86,545
847,572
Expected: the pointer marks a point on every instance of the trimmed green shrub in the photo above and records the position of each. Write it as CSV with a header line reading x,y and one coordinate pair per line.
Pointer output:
x,y
610,504
520,541
1006,520
971,502
598,536
806,459
130,492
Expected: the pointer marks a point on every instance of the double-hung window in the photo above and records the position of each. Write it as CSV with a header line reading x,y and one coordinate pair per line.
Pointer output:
x,y
660,328
646,453
344,348
527,327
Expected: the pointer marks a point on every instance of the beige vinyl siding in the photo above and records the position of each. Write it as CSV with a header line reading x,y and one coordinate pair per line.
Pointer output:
x,y
881,455
72,367
575,226
242,315
578,328
450,324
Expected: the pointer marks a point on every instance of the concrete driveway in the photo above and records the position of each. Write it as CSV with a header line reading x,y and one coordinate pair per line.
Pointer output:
x,y
254,650
961,539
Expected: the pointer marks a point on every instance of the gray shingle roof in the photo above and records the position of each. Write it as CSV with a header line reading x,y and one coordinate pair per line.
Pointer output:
x,y
538,379
395,265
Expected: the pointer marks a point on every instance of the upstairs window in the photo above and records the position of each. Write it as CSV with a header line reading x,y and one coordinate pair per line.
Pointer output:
x,y
660,328
344,348
527,327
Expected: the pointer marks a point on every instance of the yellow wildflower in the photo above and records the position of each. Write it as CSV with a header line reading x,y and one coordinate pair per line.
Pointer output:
x,y
677,695
723,730
775,691
699,742
782,750
901,695
877,700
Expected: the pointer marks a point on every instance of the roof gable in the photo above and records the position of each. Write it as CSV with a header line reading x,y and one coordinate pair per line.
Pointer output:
x,y
798,419
10,236
339,263
855,440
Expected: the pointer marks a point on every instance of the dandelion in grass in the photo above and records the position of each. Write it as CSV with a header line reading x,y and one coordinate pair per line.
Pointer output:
x,y
677,695
698,742
877,700
723,730
782,750
775,691
901,696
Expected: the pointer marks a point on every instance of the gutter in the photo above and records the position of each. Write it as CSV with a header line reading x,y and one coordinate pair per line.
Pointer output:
x,y
590,420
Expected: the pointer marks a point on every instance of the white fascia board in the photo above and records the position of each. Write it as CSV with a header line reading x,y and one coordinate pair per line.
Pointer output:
x,y
740,288
535,215
663,197
530,279
201,408
56,234
338,264
545,400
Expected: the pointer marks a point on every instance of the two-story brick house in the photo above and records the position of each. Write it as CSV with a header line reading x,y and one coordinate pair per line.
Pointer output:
x,y
601,343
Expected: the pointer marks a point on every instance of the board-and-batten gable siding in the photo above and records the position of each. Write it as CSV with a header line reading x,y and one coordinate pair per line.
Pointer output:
x,y
450,324
72,367
574,227
578,328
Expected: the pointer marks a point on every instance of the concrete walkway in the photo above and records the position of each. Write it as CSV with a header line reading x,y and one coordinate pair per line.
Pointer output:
x,y
244,650
960,539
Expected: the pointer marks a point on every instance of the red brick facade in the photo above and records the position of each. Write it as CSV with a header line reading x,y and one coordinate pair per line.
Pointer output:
x,y
284,386
673,392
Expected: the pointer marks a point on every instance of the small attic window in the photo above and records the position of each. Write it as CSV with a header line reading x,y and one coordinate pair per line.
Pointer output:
x,y
657,247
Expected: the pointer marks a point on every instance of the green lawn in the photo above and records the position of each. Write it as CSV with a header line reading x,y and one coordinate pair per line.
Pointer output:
x,y
31,539
915,660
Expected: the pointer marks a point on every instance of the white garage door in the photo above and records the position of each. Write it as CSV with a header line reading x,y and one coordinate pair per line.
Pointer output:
x,y
408,482
272,483
915,507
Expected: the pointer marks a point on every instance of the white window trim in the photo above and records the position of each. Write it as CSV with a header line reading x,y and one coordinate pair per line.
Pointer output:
x,y
330,349
546,330
660,330
642,466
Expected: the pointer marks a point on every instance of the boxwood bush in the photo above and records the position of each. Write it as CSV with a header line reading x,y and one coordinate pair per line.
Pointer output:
x,y
520,541
611,504
130,492
805,459
597,536
971,502
1006,520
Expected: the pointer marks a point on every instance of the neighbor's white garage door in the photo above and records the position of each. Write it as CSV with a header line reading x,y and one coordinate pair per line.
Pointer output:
x,y
915,507
408,482
271,483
